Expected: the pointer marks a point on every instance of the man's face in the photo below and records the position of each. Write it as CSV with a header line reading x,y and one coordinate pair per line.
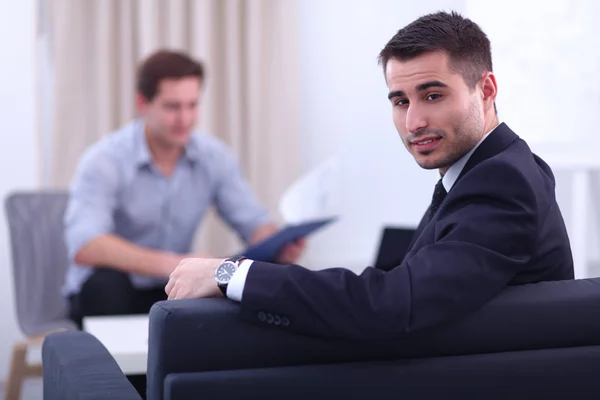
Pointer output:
x,y
172,113
438,117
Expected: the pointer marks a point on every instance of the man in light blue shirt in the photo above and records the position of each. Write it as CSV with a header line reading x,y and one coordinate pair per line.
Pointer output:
x,y
139,194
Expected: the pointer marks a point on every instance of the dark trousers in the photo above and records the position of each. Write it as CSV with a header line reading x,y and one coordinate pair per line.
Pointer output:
x,y
110,292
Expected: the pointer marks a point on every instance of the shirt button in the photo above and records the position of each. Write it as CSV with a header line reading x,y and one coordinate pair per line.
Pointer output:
x,y
277,320
262,316
285,321
270,318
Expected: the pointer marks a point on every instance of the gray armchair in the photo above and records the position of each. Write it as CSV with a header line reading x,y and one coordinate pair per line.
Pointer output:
x,y
39,264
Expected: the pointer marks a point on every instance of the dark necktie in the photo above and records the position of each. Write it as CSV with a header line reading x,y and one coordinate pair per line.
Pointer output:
x,y
439,193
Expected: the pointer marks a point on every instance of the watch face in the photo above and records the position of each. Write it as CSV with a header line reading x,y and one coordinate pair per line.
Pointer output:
x,y
224,272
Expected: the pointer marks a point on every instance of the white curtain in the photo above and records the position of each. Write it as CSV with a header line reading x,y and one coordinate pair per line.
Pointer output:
x,y
249,48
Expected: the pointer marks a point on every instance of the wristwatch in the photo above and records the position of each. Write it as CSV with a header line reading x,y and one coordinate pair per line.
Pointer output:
x,y
225,271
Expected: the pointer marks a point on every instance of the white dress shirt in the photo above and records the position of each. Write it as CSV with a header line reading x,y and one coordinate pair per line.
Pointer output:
x,y
454,171
235,289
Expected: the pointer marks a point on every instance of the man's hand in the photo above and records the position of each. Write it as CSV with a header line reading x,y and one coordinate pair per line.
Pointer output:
x,y
168,262
292,252
194,278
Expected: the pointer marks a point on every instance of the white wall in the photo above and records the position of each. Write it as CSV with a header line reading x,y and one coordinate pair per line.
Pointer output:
x,y
18,168
546,64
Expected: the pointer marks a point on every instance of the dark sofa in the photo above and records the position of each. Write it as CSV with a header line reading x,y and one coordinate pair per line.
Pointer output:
x,y
533,341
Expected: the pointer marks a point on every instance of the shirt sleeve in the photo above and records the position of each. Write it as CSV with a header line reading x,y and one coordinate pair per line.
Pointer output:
x,y
235,201
235,289
92,200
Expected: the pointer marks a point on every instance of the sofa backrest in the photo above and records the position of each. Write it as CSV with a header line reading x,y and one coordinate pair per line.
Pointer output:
x,y
207,335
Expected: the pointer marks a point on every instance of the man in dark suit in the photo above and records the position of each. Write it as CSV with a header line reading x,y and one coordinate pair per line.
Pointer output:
x,y
493,220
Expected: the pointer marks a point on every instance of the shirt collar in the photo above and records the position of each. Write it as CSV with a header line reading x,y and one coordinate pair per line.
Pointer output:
x,y
454,171
143,155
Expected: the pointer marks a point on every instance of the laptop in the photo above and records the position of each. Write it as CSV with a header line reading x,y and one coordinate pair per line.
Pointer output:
x,y
393,247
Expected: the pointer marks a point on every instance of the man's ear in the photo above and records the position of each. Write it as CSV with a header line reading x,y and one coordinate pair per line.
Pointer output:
x,y
141,103
489,90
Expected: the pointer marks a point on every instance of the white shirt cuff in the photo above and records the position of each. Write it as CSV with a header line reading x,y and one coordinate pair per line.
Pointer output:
x,y
235,288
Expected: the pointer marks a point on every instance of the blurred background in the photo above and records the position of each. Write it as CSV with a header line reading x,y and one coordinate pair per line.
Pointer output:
x,y
293,87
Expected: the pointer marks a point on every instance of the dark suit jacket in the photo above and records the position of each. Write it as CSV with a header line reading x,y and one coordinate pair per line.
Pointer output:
x,y
499,225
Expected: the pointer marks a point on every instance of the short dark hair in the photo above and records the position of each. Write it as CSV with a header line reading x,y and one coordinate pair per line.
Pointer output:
x,y
466,44
165,64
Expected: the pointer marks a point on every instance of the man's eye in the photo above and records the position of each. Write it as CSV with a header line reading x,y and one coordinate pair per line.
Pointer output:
x,y
401,102
433,96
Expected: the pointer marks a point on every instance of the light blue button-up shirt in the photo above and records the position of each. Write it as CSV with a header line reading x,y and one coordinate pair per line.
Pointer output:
x,y
117,189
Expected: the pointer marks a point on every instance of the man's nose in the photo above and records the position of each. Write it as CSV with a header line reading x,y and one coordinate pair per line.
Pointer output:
x,y
415,119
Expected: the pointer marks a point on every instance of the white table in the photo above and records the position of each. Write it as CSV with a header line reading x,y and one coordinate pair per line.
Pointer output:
x,y
125,337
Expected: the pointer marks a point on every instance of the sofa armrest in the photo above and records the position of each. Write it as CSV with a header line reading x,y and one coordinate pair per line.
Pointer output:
x,y
208,335
76,366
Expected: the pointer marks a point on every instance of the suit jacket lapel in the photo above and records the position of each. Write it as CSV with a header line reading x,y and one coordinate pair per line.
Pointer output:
x,y
495,143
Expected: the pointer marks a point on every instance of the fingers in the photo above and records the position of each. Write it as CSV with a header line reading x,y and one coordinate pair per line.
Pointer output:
x,y
174,275
172,290
172,286
169,287
294,256
178,292
290,254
